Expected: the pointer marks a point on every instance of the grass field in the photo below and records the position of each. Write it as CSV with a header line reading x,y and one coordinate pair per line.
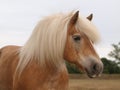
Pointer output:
x,y
105,82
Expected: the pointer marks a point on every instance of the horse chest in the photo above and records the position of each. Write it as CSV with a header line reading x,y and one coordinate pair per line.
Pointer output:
x,y
58,81
38,79
53,83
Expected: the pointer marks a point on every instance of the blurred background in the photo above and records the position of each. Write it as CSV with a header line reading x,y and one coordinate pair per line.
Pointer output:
x,y
19,17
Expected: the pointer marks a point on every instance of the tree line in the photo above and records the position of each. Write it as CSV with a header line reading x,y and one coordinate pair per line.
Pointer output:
x,y
110,66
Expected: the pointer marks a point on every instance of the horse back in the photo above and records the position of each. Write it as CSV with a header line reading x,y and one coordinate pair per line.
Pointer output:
x,y
8,62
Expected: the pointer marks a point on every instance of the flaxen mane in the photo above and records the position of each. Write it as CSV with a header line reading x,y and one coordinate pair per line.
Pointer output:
x,y
48,39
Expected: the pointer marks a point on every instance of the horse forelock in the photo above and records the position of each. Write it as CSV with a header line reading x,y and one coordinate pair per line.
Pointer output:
x,y
88,28
48,39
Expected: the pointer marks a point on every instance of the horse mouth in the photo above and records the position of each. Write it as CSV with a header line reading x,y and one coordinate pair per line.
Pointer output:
x,y
93,73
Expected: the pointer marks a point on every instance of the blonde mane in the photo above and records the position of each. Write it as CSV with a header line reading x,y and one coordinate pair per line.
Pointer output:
x,y
48,40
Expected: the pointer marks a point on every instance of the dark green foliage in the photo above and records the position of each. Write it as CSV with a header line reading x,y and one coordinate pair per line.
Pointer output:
x,y
110,67
72,68
115,53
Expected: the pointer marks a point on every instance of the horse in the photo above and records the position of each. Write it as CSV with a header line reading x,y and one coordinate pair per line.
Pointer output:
x,y
40,63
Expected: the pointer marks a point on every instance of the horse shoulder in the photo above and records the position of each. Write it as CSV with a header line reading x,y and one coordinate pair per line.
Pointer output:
x,y
35,77
8,62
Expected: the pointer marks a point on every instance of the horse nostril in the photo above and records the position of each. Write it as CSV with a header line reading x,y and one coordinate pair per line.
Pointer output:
x,y
95,68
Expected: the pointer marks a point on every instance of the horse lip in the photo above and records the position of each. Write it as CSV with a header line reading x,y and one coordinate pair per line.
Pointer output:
x,y
92,75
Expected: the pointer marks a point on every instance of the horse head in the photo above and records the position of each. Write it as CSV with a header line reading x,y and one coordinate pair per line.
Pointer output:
x,y
79,45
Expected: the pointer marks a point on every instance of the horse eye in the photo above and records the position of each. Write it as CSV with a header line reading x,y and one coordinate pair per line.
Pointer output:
x,y
76,38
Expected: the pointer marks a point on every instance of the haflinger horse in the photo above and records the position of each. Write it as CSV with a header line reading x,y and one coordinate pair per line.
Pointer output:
x,y
40,63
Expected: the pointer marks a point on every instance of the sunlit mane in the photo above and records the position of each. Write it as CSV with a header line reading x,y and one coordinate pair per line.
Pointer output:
x,y
48,39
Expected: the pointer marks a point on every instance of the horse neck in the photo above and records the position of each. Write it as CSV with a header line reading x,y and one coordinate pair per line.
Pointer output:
x,y
51,67
51,72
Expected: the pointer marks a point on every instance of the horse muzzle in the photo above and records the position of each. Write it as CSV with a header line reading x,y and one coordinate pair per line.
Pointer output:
x,y
95,69
92,66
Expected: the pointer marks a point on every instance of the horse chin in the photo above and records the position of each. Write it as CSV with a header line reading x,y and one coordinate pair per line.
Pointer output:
x,y
92,74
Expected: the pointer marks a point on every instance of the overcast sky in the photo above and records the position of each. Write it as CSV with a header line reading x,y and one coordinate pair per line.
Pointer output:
x,y
18,19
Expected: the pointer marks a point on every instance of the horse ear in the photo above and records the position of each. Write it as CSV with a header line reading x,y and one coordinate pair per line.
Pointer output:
x,y
90,17
74,18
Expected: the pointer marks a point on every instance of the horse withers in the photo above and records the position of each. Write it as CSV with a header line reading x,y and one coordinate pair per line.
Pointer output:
x,y
40,63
